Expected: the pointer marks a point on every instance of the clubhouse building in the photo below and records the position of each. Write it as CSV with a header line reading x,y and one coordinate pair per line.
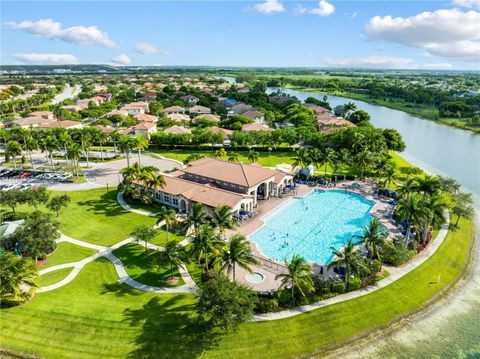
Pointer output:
x,y
214,182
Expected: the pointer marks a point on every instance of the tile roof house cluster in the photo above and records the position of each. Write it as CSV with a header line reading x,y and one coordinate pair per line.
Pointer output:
x,y
177,130
214,182
83,104
178,117
44,120
255,127
328,123
190,99
208,117
173,109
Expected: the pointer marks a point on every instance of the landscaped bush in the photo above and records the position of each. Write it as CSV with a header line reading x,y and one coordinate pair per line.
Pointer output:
x,y
338,287
322,285
398,254
266,305
375,266
354,284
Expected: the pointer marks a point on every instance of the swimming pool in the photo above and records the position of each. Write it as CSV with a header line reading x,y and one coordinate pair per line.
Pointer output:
x,y
310,226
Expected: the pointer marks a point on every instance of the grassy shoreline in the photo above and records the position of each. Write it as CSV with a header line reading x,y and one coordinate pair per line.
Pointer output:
x,y
425,112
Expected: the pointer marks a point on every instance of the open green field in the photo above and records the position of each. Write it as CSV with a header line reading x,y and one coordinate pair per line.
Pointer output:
x,y
95,216
145,267
53,277
67,252
95,317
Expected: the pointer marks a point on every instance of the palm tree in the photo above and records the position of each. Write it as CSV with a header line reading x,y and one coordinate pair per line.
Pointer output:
x,y
412,210
139,143
129,174
125,145
155,182
348,108
428,185
13,150
64,140
114,136
223,218
348,258
196,218
31,145
329,158
299,275
169,216
15,272
74,151
233,157
374,238
435,207
406,189
206,246
253,156
364,160
238,251
50,144
389,174
172,255
302,158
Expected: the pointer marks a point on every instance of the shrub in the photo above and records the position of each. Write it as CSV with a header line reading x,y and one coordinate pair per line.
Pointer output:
x,y
375,266
338,287
354,284
322,285
398,255
266,305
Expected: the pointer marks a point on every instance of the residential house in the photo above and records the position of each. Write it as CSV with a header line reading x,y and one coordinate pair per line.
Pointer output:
x,y
67,124
31,122
178,117
174,109
208,117
190,99
255,127
48,115
177,130
145,129
136,108
255,115
143,117
199,110
116,113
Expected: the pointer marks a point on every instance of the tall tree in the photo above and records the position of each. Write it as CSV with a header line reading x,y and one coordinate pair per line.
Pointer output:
x,y
196,218
13,150
206,246
15,273
348,257
298,276
144,234
169,216
139,143
58,202
374,237
223,219
237,252
173,255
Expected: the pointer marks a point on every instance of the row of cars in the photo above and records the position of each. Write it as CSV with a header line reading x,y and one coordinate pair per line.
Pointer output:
x,y
32,176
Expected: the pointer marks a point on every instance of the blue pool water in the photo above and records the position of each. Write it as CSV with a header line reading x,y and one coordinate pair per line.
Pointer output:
x,y
310,226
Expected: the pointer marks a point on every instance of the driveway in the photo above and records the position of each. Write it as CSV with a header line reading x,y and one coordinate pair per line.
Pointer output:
x,y
109,173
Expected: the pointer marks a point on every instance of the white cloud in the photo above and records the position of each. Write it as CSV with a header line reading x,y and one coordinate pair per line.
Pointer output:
x,y
122,59
447,33
471,4
324,9
384,62
354,15
83,35
268,7
46,59
148,49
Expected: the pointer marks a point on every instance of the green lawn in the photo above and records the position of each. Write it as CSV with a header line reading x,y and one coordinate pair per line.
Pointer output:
x,y
95,216
161,238
144,267
67,252
95,317
53,277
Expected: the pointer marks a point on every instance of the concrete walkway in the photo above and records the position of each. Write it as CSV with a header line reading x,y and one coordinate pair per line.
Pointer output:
x,y
395,274
125,206
188,287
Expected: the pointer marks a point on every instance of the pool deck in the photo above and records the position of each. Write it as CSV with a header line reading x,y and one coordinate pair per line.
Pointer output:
x,y
381,209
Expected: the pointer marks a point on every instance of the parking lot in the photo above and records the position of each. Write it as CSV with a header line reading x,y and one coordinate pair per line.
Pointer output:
x,y
11,178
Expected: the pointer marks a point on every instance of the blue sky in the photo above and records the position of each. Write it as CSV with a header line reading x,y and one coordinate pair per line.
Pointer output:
x,y
422,34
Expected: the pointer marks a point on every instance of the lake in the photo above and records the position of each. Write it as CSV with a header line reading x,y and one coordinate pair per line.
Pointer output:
x,y
437,148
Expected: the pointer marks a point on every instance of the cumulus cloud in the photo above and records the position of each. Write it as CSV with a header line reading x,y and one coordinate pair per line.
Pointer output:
x,y
268,7
447,33
83,35
34,58
471,4
384,62
148,49
122,59
323,9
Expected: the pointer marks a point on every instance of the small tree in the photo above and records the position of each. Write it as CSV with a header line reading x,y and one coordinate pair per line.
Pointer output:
x,y
143,233
58,202
223,303
173,255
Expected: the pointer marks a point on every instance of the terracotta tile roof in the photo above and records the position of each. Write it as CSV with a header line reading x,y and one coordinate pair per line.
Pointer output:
x,y
104,129
178,117
117,112
143,117
253,114
173,109
224,131
231,172
209,117
210,196
32,120
249,127
199,109
144,126
40,113
319,110
177,130
60,124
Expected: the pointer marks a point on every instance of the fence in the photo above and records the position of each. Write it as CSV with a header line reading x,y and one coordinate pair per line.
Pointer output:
x,y
275,266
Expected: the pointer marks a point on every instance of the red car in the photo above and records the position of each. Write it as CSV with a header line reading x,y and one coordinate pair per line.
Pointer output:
x,y
25,175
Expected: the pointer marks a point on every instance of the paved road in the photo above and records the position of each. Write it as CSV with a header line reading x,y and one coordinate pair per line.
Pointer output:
x,y
68,92
109,172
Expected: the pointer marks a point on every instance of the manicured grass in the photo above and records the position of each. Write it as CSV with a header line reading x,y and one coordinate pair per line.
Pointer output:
x,y
53,277
144,267
95,317
67,252
95,216
161,238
